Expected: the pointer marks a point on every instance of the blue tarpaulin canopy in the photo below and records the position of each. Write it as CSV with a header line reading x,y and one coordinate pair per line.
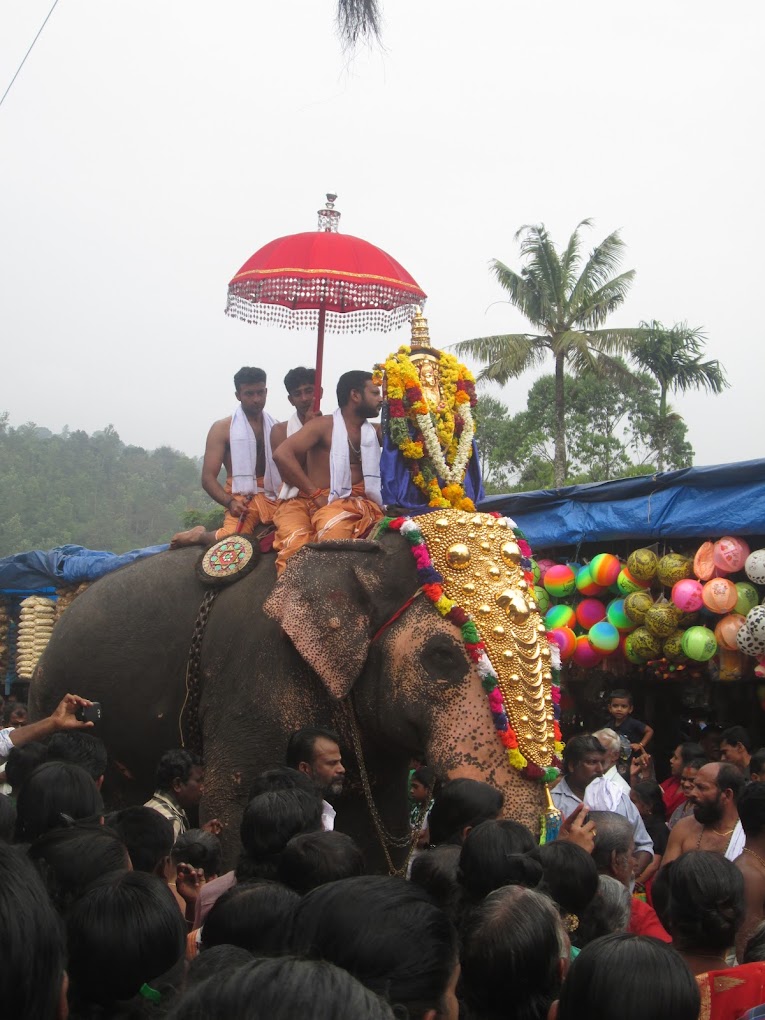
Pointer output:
x,y
699,502
65,565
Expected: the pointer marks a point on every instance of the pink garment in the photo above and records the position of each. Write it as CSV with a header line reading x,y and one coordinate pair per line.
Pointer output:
x,y
209,894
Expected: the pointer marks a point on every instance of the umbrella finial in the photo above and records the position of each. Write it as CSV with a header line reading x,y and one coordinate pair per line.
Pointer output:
x,y
420,331
329,217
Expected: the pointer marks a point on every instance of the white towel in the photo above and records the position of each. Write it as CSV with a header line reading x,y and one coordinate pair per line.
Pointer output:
x,y
244,456
340,483
602,795
293,425
736,845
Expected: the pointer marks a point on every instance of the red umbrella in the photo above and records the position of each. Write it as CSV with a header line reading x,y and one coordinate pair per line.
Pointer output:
x,y
325,279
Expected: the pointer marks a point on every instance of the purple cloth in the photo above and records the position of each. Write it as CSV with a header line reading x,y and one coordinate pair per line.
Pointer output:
x,y
399,490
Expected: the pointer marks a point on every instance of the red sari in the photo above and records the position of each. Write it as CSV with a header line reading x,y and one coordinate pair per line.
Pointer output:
x,y
728,994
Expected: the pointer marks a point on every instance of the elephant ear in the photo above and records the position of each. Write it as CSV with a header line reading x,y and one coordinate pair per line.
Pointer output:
x,y
327,602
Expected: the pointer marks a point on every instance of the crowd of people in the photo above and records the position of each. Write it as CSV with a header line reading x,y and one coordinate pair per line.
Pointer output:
x,y
638,908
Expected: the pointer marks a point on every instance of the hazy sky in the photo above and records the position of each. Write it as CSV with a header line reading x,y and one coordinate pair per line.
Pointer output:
x,y
147,149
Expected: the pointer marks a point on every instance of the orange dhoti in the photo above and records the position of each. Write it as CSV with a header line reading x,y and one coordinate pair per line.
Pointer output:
x,y
260,510
298,521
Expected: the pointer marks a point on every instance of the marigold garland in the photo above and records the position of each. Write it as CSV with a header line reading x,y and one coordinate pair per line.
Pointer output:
x,y
431,582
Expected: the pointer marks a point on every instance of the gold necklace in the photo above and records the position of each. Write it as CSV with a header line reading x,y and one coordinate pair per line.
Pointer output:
x,y
755,855
726,833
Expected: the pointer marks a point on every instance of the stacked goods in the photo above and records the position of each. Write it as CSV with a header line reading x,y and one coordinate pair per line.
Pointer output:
x,y
37,617
66,596
4,640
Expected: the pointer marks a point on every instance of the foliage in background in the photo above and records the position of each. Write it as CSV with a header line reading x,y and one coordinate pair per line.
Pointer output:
x,y
93,490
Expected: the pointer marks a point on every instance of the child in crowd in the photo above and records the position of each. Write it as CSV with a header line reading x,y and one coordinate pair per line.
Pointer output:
x,y
421,800
633,733
648,799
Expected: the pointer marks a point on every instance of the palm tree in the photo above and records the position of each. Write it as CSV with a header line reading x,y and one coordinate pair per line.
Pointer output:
x,y
358,19
673,358
566,305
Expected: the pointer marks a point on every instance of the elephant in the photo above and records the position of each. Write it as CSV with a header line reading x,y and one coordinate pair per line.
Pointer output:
x,y
341,641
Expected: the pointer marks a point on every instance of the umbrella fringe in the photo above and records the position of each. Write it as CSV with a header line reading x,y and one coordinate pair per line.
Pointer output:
x,y
347,309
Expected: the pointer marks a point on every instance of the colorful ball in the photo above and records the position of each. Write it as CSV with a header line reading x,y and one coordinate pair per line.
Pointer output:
x,y
748,643
720,595
642,564
544,566
730,554
605,569
565,639
662,619
755,621
747,597
589,612
637,605
585,584
688,595
604,637
673,647
542,598
617,615
673,568
727,630
560,616
560,580
629,652
755,566
584,654
645,644
536,574
704,561
699,644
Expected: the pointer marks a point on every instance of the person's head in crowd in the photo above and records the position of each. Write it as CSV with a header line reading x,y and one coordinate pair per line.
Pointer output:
x,y
710,741
268,824
68,860
620,705
200,849
281,778
33,978
389,935
7,818
316,752
124,932
181,776
629,976
754,951
716,789
300,384
757,766
22,761
648,798
583,761
314,858
570,878
496,853
148,836
736,747
699,898
280,989
435,870
682,755
16,715
514,949
460,805
421,785
614,845
80,748
608,911
611,744
55,794
751,810
215,962
688,775
256,916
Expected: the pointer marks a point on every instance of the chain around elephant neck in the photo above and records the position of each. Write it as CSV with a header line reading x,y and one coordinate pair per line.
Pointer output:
x,y
386,838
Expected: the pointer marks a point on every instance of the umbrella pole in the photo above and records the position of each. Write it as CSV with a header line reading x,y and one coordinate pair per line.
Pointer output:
x,y
319,359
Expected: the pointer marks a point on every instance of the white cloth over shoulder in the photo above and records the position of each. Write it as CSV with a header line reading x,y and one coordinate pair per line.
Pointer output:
x,y
736,845
293,425
340,483
6,744
244,457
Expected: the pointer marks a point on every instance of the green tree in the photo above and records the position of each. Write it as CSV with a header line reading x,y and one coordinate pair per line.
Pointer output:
x,y
567,303
673,357
492,418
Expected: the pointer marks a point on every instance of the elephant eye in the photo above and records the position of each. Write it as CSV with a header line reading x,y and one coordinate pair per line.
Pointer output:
x,y
444,660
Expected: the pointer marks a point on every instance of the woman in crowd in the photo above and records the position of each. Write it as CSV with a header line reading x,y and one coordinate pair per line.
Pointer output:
x,y
54,795
671,788
647,798
69,859
570,878
608,912
686,784
256,916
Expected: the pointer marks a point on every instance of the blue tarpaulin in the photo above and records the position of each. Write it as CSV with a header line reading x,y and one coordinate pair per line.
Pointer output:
x,y
65,565
699,502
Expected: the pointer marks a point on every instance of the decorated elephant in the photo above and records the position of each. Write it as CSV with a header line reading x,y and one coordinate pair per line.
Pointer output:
x,y
352,637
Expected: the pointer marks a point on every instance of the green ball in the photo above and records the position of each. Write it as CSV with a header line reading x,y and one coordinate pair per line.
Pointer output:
x,y
662,619
673,647
542,598
626,583
645,644
535,571
699,644
630,654
747,598
642,564
637,605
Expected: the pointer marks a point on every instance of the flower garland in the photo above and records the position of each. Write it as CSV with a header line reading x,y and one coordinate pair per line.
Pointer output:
x,y
431,582
436,443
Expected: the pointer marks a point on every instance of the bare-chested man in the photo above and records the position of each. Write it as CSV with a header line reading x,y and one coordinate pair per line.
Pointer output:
x,y
241,444
300,384
714,824
751,863
334,463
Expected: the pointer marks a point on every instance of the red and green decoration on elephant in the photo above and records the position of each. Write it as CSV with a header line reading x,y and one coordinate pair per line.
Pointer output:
x,y
476,569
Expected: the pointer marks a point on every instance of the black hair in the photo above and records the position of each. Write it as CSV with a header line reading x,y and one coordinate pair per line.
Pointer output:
x,y
512,944
200,849
297,377
348,382
462,803
176,764
22,761
254,915
697,763
621,693
281,989
651,795
425,775
579,747
55,794
247,376
384,931
68,860
269,822
435,870
125,930
31,941
14,706
737,735
314,858
283,777
300,746
613,835
83,749
570,875
751,809
754,950
729,777
608,911
496,853
699,898
689,751
7,818
646,977
146,833
215,962
757,761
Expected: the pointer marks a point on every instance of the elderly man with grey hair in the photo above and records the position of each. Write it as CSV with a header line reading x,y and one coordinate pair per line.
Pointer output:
x,y
612,744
